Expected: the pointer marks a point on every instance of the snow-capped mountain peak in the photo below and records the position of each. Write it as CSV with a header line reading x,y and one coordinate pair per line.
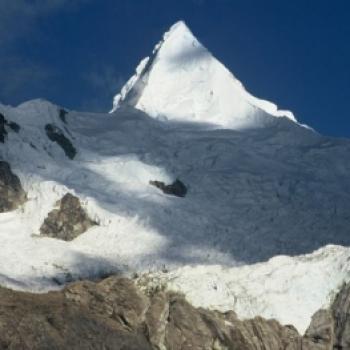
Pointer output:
x,y
254,221
183,81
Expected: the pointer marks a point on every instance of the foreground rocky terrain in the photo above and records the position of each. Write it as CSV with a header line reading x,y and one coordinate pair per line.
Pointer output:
x,y
116,313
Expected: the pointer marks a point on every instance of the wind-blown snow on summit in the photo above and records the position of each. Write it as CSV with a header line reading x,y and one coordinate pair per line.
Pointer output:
x,y
183,81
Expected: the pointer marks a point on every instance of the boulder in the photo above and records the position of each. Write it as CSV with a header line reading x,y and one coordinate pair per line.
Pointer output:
x,y
68,221
177,188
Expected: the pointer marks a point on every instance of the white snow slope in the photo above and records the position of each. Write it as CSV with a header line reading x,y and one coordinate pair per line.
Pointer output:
x,y
259,186
183,81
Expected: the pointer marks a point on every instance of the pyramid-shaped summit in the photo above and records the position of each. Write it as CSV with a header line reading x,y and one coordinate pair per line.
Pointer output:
x,y
183,81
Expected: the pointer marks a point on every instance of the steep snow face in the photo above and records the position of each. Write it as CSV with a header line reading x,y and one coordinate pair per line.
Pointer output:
x,y
183,81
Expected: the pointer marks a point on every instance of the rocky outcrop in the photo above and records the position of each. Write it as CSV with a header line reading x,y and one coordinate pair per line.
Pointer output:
x,y
68,221
3,123
62,115
55,134
341,319
191,328
115,314
54,321
12,194
177,188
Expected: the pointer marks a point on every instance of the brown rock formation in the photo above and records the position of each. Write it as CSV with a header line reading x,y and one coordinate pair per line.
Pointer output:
x,y
341,319
12,194
115,314
67,222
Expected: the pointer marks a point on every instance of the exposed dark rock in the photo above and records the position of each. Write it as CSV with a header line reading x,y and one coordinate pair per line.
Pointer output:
x,y
3,123
12,194
68,221
341,316
55,134
3,131
115,314
177,188
14,126
62,114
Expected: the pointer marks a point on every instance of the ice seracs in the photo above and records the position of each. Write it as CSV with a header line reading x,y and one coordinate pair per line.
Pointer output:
x,y
183,81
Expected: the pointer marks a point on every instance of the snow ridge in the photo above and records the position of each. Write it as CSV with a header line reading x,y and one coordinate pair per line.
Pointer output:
x,y
183,81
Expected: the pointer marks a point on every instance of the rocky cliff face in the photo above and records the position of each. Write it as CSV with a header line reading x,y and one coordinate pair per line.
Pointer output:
x,y
12,194
116,314
341,319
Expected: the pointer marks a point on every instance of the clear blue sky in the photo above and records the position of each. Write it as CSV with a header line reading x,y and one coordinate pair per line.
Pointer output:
x,y
77,53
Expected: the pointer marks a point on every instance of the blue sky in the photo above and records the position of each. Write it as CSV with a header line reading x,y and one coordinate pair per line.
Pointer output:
x,y
77,53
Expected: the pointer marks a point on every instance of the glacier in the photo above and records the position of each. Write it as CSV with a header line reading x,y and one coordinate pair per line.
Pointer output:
x,y
263,228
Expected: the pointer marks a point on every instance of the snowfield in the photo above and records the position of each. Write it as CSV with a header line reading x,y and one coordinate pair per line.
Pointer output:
x,y
263,228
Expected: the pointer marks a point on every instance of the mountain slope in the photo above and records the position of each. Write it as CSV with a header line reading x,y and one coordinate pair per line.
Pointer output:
x,y
257,185
251,195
